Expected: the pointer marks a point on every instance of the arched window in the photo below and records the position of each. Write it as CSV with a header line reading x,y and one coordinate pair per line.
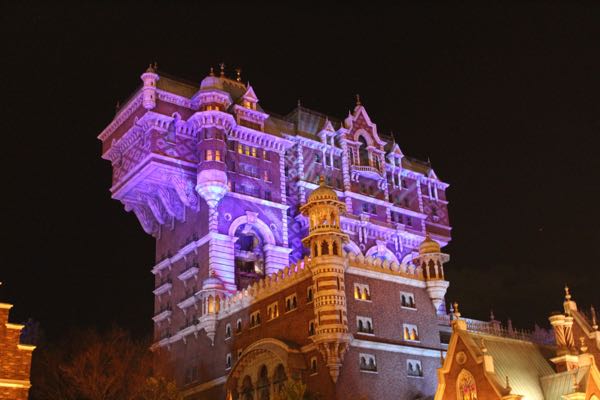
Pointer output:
x,y
324,248
279,378
363,151
247,389
466,387
217,155
209,155
262,384
334,249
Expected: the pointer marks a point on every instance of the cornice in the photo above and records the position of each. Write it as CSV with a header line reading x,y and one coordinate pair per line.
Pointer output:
x,y
124,113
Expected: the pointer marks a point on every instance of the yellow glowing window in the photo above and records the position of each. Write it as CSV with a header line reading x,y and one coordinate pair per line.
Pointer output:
x,y
254,152
217,155
209,155
247,150
240,149
264,154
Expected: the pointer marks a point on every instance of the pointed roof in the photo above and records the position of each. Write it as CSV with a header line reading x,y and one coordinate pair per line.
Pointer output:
x,y
328,126
250,95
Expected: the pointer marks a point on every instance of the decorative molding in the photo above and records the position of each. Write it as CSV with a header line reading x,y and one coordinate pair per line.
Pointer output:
x,y
397,348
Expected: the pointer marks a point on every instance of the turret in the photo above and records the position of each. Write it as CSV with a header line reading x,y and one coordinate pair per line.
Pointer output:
x,y
150,77
212,294
431,260
326,241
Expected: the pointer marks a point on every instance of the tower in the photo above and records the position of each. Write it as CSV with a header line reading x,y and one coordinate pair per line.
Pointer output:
x,y
431,261
325,241
150,77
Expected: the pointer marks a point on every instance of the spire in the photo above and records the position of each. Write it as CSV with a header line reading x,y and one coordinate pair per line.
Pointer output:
x,y
492,316
594,322
152,68
212,72
567,294
222,66
455,312
299,103
358,103
321,180
238,73
508,388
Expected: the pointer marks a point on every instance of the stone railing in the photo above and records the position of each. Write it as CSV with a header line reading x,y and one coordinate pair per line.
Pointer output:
x,y
380,265
494,328
265,287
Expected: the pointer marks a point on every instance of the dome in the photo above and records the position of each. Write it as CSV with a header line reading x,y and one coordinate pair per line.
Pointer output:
x,y
212,283
323,193
429,246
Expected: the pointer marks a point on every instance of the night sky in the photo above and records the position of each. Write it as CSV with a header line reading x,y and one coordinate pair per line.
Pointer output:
x,y
504,100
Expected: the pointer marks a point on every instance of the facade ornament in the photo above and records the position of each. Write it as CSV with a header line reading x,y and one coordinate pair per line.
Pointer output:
x,y
238,73
222,66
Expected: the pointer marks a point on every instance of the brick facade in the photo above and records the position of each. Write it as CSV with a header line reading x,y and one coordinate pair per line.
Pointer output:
x,y
15,359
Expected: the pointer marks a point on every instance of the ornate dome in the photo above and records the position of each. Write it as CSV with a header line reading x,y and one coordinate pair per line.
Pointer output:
x,y
323,193
429,246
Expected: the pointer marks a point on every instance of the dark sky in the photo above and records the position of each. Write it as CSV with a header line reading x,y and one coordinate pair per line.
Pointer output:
x,y
504,100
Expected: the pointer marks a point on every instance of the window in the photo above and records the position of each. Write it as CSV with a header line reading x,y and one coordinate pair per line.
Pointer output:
x,y
311,328
238,326
247,150
364,325
414,368
209,155
227,331
291,303
268,195
407,300
265,155
367,362
309,294
228,361
254,152
466,387
266,177
317,158
404,184
255,319
411,332
272,311
240,149
362,292
444,337
217,155
313,365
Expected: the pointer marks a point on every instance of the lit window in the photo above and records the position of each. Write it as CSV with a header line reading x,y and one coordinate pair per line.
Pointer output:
x,y
240,149
291,303
467,389
407,300
254,152
362,292
272,311
217,155
367,362
247,150
414,368
209,155
265,155
411,333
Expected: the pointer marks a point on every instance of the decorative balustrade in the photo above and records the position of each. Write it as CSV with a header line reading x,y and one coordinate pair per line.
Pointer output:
x,y
494,328
391,267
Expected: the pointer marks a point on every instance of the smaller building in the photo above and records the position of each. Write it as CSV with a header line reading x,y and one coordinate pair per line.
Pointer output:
x,y
498,365
15,359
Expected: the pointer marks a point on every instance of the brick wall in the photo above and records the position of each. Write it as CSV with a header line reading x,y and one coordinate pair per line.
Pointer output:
x,y
15,359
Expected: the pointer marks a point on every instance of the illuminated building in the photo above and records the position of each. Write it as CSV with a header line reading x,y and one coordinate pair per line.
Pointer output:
x,y
263,271
490,362
15,359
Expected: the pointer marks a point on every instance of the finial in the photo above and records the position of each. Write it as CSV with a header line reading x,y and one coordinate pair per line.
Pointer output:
x,y
321,180
582,345
456,313
567,293
222,66
492,316
212,72
508,388
441,358
155,66
483,347
358,103
594,322
118,106
212,273
238,73
299,103
150,68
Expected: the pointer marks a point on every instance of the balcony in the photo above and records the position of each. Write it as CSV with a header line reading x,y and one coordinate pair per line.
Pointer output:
x,y
164,287
161,316
188,273
366,171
